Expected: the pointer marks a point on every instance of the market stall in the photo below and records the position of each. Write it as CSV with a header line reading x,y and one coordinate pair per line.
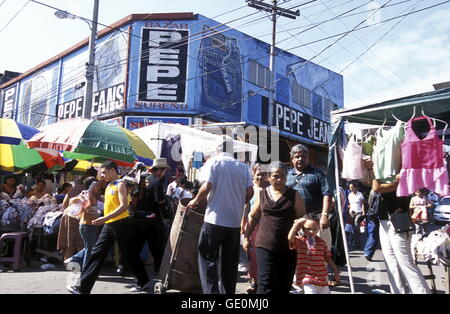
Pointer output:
x,y
434,105
191,141
74,145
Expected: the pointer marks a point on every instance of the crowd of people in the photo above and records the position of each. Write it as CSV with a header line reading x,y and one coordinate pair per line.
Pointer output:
x,y
280,217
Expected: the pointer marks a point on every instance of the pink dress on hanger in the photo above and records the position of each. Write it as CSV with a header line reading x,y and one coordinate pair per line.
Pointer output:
x,y
423,163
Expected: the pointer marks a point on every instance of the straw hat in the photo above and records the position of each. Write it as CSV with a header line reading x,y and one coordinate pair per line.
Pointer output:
x,y
160,163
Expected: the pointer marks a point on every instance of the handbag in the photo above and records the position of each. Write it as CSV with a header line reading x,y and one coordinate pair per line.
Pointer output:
x,y
375,205
401,221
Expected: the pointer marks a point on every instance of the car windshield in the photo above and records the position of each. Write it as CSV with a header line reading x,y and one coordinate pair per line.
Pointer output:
x,y
445,201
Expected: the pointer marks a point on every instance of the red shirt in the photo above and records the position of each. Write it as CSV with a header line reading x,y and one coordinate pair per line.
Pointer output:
x,y
311,266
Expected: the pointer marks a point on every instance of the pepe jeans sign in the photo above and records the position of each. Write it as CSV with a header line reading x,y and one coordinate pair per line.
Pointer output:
x,y
300,123
163,68
105,101
9,98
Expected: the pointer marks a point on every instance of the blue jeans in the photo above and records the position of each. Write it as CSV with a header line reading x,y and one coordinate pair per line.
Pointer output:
x,y
89,235
372,238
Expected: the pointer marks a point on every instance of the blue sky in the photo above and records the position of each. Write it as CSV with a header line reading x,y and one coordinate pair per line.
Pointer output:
x,y
405,60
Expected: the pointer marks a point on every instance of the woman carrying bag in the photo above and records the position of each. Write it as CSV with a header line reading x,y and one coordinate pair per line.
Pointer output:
x,y
396,230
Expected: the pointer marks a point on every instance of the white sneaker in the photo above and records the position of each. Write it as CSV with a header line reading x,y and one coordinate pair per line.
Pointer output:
x,y
139,288
297,290
242,268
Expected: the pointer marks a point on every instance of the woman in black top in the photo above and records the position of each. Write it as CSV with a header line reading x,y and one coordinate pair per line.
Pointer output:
x,y
277,207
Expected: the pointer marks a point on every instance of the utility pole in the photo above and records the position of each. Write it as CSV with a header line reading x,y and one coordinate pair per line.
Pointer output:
x,y
274,10
90,66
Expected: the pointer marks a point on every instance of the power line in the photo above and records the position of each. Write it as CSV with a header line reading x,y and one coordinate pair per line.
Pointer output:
x,y
125,60
347,49
379,39
15,15
356,28
332,44
367,26
359,39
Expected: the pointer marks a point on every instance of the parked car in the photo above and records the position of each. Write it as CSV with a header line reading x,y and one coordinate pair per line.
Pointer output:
x,y
442,212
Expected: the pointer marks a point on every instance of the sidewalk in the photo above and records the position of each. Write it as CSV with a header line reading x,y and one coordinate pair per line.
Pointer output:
x,y
33,280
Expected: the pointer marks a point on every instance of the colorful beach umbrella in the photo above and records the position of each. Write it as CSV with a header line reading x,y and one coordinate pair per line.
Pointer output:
x,y
14,154
13,132
94,138
15,158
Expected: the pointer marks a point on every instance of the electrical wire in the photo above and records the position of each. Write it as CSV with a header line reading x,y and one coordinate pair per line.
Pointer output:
x,y
15,15
365,45
356,28
379,39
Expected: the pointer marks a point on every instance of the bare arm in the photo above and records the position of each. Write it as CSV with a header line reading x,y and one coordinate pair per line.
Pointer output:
x,y
255,214
202,195
330,262
299,205
66,201
298,224
249,194
324,221
379,187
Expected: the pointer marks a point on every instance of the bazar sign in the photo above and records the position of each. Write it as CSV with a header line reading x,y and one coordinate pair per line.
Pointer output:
x,y
137,122
105,101
300,123
8,101
166,25
163,67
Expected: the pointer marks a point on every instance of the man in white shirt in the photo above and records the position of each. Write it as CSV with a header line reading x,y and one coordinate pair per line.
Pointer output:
x,y
227,186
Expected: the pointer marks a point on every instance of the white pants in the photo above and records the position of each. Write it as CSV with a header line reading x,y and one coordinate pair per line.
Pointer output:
x,y
313,289
399,262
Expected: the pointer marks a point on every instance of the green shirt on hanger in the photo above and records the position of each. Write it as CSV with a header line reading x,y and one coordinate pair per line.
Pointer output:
x,y
387,153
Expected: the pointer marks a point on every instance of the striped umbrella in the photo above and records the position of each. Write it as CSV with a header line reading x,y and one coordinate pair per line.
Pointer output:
x,y
92,137
13,132
16,158
14,154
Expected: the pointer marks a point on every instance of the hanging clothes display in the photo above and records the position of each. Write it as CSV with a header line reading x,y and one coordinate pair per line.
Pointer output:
x,y
423,163
198,160
368,146
387,153
352,167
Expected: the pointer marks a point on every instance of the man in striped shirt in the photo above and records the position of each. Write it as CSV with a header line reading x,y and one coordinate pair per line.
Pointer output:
x,y
312,254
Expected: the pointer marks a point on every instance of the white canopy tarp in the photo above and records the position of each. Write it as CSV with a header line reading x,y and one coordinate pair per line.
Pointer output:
x,y
192,140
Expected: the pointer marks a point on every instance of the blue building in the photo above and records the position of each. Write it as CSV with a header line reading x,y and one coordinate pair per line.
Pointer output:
x,y
180,68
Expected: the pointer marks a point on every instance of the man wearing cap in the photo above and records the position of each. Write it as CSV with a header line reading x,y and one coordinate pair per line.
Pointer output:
x,y
227,185
147,217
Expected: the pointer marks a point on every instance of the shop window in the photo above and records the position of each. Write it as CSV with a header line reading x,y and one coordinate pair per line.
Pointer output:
x,y
259,74
301,95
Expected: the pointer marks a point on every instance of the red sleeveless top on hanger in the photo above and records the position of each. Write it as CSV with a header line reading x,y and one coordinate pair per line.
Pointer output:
x,y
423,163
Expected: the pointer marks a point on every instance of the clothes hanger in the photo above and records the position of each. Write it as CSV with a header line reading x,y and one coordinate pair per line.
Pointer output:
x,y
434,121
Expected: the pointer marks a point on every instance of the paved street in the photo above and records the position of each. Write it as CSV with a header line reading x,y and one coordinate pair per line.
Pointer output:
x,y
33,280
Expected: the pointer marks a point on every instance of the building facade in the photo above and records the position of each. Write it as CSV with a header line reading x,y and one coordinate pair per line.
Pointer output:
x,y
179,68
